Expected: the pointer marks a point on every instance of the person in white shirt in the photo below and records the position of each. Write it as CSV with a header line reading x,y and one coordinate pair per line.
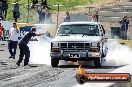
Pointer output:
x,y
67,17
13,40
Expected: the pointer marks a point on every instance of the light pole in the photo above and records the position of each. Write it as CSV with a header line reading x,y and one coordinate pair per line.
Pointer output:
x,y
58,8
28,13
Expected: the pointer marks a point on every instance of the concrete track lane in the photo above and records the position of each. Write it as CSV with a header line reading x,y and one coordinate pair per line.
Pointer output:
x,y
40,75
45,76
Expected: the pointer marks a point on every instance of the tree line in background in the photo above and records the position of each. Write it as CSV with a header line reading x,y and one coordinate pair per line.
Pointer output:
x,y
7,7
14,7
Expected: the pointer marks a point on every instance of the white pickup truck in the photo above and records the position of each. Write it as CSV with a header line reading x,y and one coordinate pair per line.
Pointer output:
x,y
79,41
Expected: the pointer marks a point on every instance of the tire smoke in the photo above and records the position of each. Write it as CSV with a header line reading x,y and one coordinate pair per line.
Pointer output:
x,y
40,51
118,55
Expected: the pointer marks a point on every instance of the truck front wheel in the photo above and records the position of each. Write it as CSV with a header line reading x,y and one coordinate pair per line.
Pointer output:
x,y
97,62
54,62
81,79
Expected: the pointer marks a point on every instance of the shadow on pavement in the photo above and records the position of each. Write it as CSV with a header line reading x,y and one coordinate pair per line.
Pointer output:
x,y
90,67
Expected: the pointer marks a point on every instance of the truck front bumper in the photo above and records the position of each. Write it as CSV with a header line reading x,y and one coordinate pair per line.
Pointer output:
x,y
75,55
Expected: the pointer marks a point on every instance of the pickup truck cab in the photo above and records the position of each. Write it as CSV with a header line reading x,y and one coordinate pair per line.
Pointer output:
x,y
79,41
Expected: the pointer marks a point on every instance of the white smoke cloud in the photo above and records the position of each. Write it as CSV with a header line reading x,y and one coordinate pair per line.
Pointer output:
x,y
40,51
118,55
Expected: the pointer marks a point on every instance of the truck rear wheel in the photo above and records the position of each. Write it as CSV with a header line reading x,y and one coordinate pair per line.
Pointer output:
x,y
97,62
54,62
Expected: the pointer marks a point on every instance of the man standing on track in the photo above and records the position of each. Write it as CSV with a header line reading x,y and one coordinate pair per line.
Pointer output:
x,y
24,49
13,39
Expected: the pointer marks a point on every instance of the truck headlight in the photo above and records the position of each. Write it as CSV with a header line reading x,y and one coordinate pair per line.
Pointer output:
x,y
54,45
94,44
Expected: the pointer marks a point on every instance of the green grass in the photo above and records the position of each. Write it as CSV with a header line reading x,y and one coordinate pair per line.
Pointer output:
x,y
70,2
23,8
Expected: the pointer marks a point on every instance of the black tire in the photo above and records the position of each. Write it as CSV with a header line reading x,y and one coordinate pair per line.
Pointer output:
x,y
97,62
54,62
81,79
104,55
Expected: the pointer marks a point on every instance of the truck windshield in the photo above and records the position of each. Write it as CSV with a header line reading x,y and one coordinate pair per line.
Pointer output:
x,y
91,30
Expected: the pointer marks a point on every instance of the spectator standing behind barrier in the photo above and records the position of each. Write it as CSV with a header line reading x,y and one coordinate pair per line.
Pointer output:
x,y
48,18
34,2
1,30
95,17
43,14
67,17
40,14
24,49
13,39
1,16
16,12
4,8
124,27
44,3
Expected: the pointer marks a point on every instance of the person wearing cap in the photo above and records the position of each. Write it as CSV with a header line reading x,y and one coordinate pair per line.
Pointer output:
x,y
24,49
13,39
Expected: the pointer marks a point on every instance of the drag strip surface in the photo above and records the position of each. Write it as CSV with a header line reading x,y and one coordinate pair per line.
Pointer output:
x,y
46,76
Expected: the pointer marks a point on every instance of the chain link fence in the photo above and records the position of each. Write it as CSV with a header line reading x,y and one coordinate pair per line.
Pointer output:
x,y
31,15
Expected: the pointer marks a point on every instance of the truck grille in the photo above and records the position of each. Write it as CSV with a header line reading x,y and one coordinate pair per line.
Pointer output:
x,y
74,46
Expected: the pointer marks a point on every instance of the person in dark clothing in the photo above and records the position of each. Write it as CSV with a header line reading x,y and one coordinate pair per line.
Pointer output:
x,y
44,3
95,17
24,49
1,15
34,2
124,27
48,18
4,8
41,14
16,12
